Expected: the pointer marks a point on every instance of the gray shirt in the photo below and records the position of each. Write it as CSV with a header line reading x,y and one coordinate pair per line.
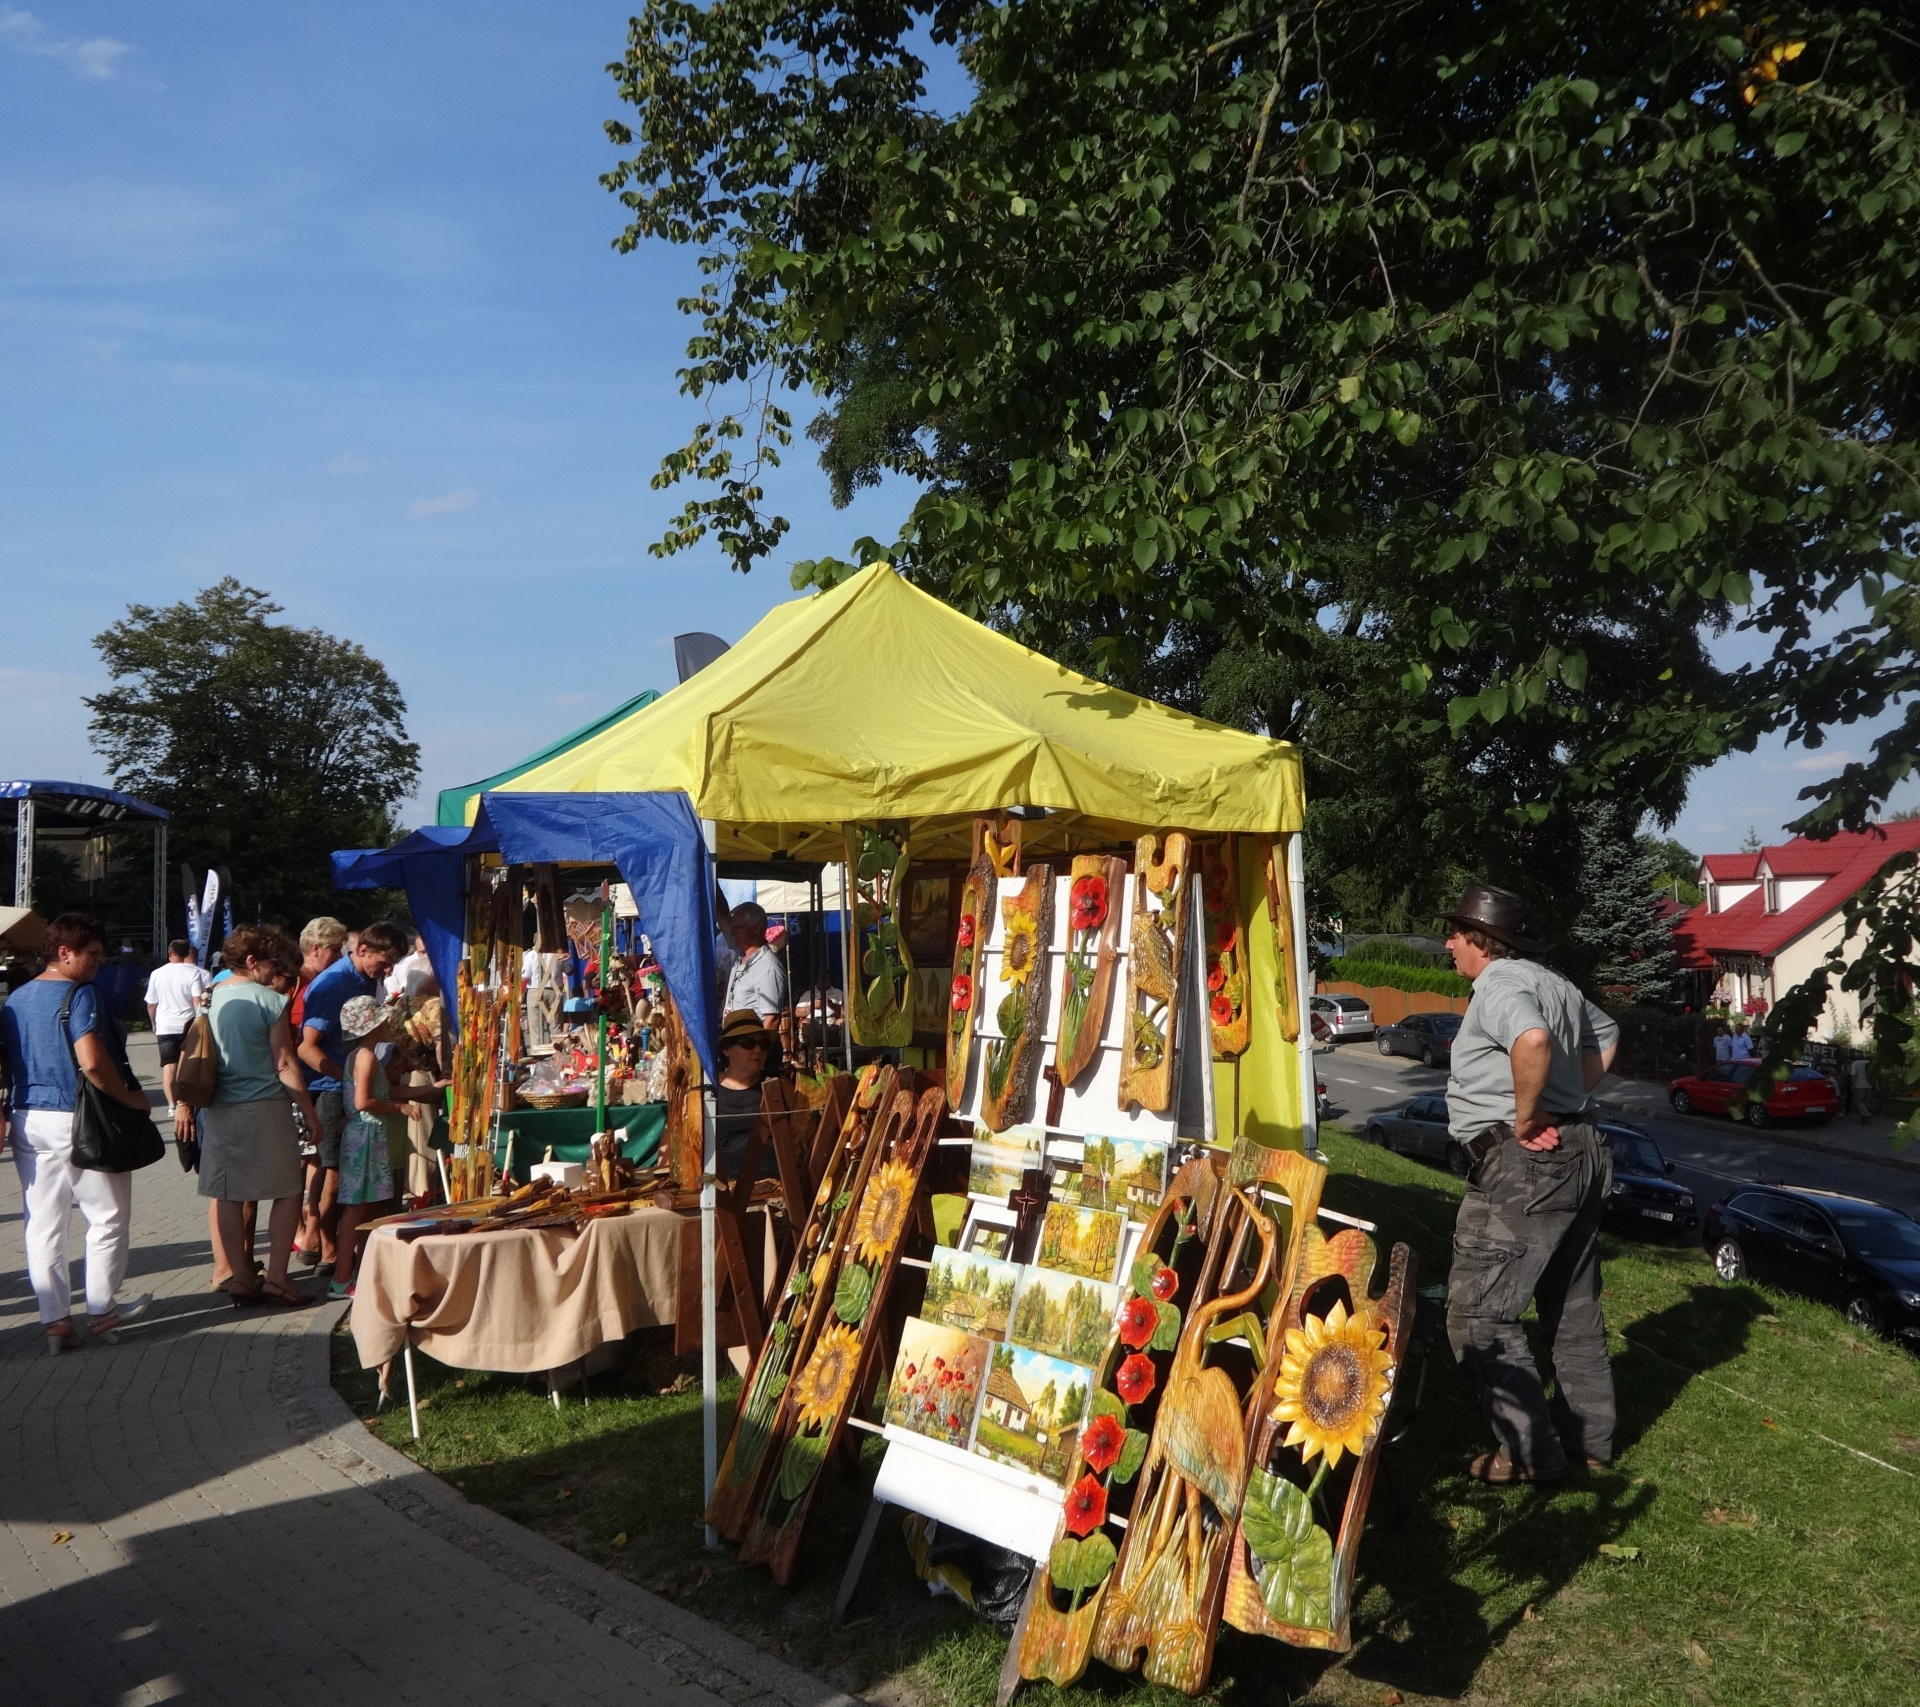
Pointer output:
x,y
1511,998
758,982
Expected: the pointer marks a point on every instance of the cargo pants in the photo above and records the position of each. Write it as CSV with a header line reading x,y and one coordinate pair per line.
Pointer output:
x,y
1529,1227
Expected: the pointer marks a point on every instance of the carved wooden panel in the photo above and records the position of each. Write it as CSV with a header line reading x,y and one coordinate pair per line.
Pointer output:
x,y
1286,980
970,939
1156,955
1229,1017
1013,1058
879,963
1093,953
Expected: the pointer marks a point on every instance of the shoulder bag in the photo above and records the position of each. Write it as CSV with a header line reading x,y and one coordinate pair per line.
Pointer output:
x,y
108,1136
196,1075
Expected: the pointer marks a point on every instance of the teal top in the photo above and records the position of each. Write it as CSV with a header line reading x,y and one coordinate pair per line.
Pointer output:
x,y
242,1016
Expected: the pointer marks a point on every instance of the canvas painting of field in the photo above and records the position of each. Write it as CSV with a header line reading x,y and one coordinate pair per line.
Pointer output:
x,y
1078,1241
1063,1314
937,1379
1032,1410
1124,1174
1000,1158
971,1291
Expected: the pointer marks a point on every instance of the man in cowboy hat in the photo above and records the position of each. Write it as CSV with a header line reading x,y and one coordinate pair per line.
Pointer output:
x,y
1520,1103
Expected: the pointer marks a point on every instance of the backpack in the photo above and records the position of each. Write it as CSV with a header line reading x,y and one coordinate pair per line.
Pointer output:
x,y
196,1075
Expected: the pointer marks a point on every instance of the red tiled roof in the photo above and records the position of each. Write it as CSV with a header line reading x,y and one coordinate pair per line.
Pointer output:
x,y
1852,858
1732,868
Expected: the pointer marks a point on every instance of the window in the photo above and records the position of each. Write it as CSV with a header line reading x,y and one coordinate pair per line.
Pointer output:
x,y
1886,1236
1635,1154
1763,1207
1807,1224
1352,1004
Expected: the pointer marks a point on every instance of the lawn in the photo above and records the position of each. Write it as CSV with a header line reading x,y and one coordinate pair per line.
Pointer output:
x,y
1760,1553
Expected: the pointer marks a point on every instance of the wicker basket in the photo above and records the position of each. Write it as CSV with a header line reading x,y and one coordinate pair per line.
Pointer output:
x,y
559,1099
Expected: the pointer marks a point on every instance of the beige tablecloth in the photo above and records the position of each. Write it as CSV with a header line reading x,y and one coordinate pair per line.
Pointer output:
x,y
516,1302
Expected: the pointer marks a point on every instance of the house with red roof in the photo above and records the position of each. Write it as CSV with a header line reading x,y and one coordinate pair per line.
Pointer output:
x,y
1770,918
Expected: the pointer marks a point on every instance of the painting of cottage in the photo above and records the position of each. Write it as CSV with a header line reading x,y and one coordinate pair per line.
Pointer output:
x,y
1032,1410
1124,1174
971,1291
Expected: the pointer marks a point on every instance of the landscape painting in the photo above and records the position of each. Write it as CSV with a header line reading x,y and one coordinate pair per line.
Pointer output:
x,y
1000,1158
937,1379
1063,1315
1032,1411
971,1291
1078,1241
1124,1174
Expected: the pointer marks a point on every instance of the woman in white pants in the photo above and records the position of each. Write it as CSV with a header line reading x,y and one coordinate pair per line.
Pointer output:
x,y
42,1091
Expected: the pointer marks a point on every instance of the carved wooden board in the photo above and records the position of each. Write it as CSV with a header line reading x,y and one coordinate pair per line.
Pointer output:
x,y
841,1363
879,964
1229,1018
970,937
1286,980
1156,954
1289,1577
796,1313
1056,1637
1093,953
1013,1059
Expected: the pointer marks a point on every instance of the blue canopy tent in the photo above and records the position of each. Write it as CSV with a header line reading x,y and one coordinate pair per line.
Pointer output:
x,y
653,840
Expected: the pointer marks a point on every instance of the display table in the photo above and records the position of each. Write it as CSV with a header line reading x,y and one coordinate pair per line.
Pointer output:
x,y
569,1129
517,1302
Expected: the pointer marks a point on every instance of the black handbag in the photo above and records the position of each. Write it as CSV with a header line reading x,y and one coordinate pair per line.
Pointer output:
x,y
108,1136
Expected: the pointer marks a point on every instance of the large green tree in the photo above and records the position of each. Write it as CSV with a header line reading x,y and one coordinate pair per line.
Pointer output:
x,y
270,745
1471,368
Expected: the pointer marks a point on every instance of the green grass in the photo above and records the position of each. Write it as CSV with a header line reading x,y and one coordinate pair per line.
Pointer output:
x,y
1774,1565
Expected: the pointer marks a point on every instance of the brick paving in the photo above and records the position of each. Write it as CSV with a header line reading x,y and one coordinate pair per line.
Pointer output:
x,y
234,1535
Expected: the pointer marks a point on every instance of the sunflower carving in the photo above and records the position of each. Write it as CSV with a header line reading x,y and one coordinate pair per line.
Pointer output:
x,y
1333,1383
820,1392
883,1212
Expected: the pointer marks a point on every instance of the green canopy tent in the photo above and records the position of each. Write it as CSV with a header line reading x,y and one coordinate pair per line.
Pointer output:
x,y
454,806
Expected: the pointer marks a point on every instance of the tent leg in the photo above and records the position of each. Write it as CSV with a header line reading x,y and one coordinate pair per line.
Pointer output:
x,y
413,1396
709,1315
1303,982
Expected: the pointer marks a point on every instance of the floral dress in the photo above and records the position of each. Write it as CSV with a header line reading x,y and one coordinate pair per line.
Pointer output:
x,y
366,1168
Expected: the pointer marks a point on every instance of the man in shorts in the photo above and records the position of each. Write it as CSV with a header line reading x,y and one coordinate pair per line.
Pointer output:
x,y
322,942
173,998
322,1051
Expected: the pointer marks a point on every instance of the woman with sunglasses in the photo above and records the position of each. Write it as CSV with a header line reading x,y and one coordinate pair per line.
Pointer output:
x,y
745,1048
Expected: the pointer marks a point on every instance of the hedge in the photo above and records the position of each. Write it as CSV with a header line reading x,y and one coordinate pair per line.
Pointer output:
x,y
1385,951
1348,970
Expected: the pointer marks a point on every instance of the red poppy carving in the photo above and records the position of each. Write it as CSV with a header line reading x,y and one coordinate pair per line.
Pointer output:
x,y
1101,1443
1222,1010
1134,1379
1217,978
1165,1284
962,994
1086,1506
1089,903
1139,1320
1225,934
965,937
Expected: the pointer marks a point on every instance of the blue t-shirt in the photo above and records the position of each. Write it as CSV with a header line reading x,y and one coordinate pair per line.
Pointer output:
x,y
326,996
39,1063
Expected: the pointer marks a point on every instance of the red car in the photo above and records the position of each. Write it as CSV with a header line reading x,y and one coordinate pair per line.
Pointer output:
x,y
1805,1093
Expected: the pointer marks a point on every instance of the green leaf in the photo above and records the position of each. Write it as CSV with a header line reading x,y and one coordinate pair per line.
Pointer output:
x,y
853,1294
1133,1453
1167,1335
1107,1404
1142,1273
800,1463
1615,1550
1081,1565
1293,1554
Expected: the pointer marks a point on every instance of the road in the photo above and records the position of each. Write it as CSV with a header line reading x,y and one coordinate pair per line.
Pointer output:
x,y
1709,1156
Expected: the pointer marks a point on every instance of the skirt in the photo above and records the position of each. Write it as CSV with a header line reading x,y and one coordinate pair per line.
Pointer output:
x,y
366,1166
250,1151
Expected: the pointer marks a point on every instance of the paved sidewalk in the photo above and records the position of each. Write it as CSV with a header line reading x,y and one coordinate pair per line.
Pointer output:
x,y
235,1535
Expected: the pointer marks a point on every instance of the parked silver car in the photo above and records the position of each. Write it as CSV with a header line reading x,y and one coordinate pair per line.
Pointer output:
x,y
1343,1016
1419,1128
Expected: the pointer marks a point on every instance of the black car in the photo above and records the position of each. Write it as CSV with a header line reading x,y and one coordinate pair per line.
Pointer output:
x,y
1644,1199
1860,1256
1419,1128
1426,1037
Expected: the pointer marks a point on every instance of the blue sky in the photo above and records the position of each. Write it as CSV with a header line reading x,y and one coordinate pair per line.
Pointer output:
x,y
324,297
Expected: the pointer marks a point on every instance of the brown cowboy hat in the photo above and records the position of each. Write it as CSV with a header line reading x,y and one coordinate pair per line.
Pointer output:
x,y
1498,912
743,1025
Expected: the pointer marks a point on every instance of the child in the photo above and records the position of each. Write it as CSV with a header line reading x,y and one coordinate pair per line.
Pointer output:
x,y
376,1128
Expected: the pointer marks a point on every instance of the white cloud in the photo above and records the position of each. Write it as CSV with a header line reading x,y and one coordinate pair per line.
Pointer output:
x,y
446,503
1825,762
97,56
351,462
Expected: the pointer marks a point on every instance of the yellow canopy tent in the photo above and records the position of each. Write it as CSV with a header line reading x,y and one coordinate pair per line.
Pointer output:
x,y
875,700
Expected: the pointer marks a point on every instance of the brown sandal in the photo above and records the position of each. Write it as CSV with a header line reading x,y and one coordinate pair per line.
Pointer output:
x,y
1497,1470
287,1297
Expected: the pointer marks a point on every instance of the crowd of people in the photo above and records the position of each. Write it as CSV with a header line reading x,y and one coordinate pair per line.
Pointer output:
x,y
301,1116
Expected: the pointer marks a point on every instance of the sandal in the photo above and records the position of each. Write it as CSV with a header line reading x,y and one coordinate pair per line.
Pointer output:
x,y
106,1331
338,1290
60,1337
285,1296
1497,1470
245,1296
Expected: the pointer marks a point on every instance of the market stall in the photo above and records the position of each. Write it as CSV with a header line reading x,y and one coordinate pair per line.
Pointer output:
x,y
1072,934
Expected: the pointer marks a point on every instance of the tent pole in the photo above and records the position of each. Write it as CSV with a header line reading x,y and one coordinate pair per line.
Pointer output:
x,y
1303,988
159,890
23,851
709,1312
